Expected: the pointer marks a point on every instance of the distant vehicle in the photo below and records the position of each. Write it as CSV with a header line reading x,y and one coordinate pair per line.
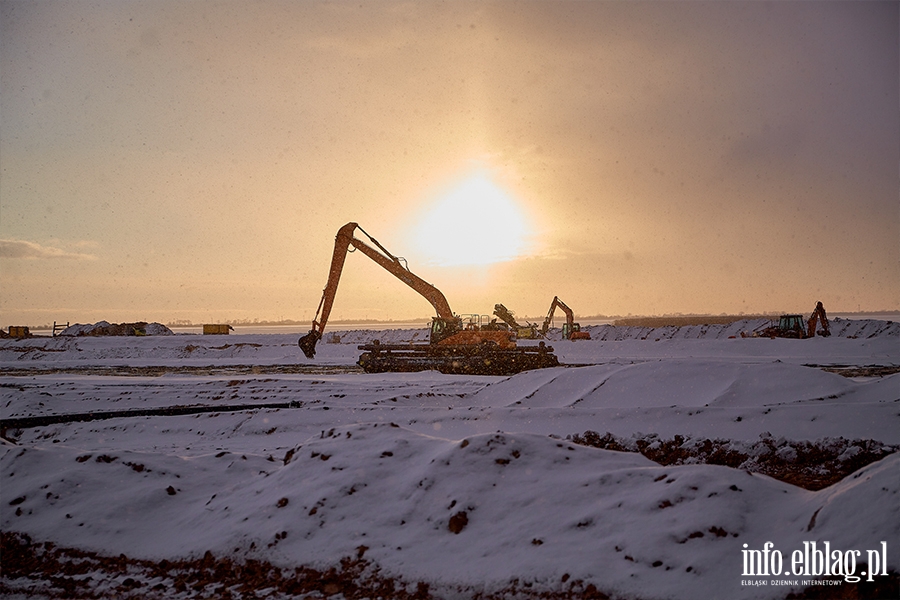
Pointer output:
x,y
471,347
570,330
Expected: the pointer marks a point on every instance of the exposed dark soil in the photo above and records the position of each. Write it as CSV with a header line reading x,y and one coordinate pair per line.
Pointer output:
x,y
157,371
810,465
871,371
169,411
57,572
48,571
44,570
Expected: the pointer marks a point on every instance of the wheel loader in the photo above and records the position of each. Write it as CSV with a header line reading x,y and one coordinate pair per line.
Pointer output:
x,y
455,346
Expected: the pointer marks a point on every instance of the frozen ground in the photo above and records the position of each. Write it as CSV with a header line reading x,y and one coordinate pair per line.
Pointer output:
x,y
423,484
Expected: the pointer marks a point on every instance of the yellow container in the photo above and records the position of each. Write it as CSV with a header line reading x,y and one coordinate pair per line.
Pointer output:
x,y
216,329
18,332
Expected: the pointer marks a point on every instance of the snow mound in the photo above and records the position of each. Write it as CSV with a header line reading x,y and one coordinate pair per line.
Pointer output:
x,y
467,515
669,383
844,328
105,328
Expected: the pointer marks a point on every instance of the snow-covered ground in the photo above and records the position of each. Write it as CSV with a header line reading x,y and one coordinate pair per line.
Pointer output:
x,y
465,484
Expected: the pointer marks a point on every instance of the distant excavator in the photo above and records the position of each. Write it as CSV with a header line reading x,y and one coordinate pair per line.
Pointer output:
x,y
792,326
528,331
470,347
818,314
570,330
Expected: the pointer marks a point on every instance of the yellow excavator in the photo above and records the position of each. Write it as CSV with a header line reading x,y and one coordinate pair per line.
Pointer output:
x,y
528,331
819,315
455,346
570,330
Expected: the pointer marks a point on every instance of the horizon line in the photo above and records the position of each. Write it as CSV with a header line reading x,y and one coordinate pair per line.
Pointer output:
x,y
268,322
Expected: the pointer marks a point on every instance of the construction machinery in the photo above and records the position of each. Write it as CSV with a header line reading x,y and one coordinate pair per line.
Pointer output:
x,y
818,314
570,330
528,331
795,327
456,346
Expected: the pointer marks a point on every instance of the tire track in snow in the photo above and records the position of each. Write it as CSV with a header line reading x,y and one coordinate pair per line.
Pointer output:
x,y
171,411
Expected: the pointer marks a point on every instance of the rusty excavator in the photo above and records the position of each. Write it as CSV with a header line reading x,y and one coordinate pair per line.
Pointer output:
x,y
570,330
472,347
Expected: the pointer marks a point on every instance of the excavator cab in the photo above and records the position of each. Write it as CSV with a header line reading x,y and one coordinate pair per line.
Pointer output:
x,y
568,331
791,326
477,322
442,328
574,332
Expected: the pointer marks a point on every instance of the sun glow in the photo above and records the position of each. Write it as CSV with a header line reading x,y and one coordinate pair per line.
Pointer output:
x,y
474,223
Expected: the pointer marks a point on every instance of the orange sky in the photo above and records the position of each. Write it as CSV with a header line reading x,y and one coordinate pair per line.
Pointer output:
x,y
193,160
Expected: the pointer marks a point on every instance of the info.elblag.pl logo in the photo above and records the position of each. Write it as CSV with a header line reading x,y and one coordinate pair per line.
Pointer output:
x,y
813,561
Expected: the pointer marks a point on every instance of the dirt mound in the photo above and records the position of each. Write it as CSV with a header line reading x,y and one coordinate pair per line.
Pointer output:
x,y
810,465
105,328
59,572
66,572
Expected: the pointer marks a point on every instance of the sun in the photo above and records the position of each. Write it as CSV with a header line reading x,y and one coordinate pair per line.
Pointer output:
x,y
474,223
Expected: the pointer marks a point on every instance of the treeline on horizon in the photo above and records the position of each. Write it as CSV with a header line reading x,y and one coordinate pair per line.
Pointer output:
x,y
622,320
665,319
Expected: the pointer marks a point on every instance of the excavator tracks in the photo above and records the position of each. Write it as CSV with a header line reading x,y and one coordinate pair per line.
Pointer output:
x,y
485,359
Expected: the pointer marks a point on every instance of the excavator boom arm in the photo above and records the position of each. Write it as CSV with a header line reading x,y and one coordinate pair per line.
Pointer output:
x,y
342,242
818,315
506,316
570,317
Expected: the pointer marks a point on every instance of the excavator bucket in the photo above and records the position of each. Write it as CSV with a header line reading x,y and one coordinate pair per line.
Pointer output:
x,y
308,343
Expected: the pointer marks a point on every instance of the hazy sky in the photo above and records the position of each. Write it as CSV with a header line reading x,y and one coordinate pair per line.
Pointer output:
x,y
194,160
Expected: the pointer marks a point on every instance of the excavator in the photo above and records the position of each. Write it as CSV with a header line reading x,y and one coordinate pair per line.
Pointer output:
x,y
456,347
791,326
818,314
528,331
570,330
